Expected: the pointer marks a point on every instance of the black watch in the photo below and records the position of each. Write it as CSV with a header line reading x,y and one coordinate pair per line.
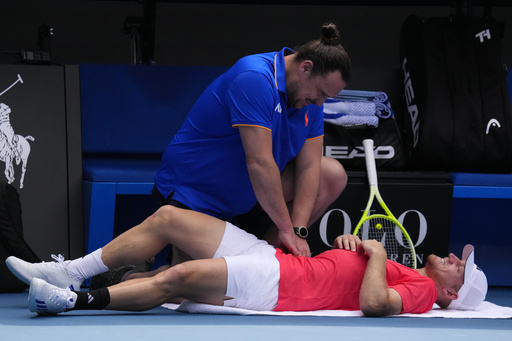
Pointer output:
x,y
301,231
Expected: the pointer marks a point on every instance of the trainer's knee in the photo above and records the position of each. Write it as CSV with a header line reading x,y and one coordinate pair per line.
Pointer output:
x,y
165,213
162,220
334,177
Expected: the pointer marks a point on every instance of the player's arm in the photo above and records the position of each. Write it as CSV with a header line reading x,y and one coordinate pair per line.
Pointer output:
x,y
376,298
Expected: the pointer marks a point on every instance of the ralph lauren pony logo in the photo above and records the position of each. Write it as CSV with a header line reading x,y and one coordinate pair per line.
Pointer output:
x,y
14,148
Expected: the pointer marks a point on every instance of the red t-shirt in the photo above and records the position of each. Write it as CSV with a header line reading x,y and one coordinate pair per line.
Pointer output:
x,y
332,281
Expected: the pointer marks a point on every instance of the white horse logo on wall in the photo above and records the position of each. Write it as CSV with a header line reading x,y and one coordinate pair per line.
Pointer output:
x,y
13,147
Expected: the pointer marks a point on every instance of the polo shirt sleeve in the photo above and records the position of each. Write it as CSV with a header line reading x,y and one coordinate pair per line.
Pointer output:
x,y
317,122
418,294
251,100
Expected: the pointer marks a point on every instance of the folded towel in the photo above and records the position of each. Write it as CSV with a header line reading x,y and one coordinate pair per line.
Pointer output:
x,y
357,108
336,107
352,120
485,310
349,108
363,95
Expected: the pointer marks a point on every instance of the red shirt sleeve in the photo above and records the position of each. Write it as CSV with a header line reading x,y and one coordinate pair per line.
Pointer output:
x,y
418,292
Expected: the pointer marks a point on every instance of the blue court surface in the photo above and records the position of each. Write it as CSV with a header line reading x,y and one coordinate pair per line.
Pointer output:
x,y
17,323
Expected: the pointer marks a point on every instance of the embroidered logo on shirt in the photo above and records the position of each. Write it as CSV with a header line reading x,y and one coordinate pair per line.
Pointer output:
x,y
278,108
306,119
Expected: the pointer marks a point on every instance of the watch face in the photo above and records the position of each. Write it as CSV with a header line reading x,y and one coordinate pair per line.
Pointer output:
x,y
301,231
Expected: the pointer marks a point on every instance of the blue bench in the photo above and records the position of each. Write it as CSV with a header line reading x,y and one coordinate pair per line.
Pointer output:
x,y
129,115
481,215
476,185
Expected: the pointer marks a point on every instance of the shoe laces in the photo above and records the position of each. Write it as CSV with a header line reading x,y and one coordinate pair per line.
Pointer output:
x,y
59,262
59,258
61,297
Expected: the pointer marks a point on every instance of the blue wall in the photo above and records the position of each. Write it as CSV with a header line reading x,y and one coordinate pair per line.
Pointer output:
x,y
485,223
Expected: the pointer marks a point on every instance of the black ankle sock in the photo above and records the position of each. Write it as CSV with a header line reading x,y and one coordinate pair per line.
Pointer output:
x,y
92,300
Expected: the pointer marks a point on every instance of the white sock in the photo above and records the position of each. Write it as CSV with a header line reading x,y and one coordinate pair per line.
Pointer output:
x,y
87,266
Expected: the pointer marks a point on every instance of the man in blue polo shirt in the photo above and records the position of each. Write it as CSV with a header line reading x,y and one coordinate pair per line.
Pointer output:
x,y
255,136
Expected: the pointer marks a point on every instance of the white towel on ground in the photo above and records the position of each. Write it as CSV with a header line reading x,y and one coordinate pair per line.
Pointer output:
x,y
485,310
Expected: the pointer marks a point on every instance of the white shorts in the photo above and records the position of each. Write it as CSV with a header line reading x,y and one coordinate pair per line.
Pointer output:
x,y
253,270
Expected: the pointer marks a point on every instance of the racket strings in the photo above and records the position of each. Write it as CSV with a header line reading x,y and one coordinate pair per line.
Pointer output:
x,y
390,235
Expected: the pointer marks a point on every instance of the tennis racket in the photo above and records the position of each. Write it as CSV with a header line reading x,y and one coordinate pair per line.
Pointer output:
x,y
383,227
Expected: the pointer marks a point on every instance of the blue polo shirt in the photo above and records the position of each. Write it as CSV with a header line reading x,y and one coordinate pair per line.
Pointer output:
x,y
204,165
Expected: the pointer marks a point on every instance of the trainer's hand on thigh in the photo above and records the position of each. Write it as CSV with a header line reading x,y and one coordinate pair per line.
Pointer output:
x,y
296,245
347,242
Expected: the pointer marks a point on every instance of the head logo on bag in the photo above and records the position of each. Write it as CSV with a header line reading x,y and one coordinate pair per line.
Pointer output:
x,y
492,123
344,152
412,108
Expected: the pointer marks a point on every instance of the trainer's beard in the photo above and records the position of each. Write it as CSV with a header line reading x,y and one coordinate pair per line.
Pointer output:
x,y
292,91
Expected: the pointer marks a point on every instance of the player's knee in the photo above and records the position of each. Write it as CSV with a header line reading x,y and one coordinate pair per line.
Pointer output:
x,y
174,278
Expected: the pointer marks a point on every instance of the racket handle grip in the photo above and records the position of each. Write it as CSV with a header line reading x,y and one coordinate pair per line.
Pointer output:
x,y
371,169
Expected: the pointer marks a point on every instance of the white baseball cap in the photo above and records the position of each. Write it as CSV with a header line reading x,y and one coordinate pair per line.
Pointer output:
x,y
474,289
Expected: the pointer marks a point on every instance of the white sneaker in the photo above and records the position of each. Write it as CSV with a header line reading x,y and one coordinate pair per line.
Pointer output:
x,y
47,299
52,272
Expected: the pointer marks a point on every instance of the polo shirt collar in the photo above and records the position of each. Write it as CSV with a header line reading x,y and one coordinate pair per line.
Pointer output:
x,y
280,69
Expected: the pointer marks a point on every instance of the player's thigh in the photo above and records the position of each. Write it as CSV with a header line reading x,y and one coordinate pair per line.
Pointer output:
x,y
203,281
198,235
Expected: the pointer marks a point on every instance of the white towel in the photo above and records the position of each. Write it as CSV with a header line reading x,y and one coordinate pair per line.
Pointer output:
x,y
353,120
363,95
485,310
350,108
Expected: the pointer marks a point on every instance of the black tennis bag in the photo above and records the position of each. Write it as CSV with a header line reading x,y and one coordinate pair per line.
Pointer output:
x,y
12,242
346,145
355,115
459,113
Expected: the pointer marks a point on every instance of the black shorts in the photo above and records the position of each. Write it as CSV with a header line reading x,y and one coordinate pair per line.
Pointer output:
x,y
160,200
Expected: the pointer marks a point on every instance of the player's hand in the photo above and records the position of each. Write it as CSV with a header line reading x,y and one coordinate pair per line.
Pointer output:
x,y
347,242
371,247
296,245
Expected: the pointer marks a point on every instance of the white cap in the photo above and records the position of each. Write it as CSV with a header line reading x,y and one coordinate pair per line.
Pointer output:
x,y
474,289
